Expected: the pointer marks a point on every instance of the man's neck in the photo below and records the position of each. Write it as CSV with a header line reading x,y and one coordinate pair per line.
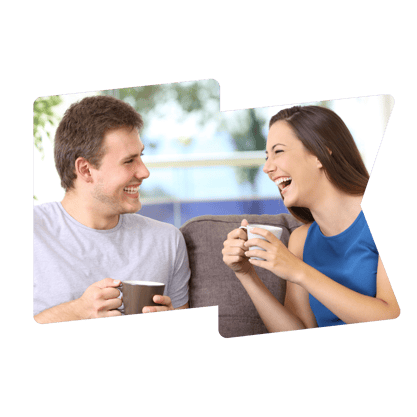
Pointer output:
x,y
87,212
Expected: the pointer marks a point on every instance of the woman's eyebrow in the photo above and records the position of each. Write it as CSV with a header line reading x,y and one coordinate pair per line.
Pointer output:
x,y
277,144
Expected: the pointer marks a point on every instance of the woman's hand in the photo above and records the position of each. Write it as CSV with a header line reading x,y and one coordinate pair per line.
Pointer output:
x,y
278,259
234,251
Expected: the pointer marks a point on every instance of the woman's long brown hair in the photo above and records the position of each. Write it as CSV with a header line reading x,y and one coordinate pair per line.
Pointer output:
x,y
325,135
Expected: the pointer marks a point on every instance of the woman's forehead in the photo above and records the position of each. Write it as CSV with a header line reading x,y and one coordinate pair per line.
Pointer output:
x,y
281,133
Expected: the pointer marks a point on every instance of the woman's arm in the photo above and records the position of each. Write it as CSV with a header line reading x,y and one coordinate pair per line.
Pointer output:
x,y
296,297
273,314
351,306
348,305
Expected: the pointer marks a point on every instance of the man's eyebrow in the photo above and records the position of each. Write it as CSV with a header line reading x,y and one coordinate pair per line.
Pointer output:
x,y
277,144
133,155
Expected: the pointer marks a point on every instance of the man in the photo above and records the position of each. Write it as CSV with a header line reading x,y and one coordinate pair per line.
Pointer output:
x,y
91,241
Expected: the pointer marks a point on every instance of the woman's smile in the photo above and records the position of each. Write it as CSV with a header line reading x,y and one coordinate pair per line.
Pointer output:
x,y
283,183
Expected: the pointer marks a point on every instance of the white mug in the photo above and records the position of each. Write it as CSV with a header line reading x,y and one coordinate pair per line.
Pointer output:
x,y
276,231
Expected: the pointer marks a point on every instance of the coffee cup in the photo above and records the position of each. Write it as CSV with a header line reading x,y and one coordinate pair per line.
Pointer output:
x,y
139,294
276,231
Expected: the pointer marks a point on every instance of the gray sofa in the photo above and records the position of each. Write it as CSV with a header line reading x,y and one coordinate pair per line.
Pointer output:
x,y
213,283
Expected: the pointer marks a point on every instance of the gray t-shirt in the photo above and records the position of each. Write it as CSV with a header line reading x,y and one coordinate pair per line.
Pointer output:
x,y
69,257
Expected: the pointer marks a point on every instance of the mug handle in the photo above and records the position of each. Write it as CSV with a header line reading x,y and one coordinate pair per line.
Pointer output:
x,y
244,227
120,288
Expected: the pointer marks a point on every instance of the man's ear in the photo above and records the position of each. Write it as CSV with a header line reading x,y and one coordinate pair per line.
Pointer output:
x,y
82,169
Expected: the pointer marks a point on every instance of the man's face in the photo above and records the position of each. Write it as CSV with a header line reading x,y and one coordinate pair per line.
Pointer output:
x,y
117,181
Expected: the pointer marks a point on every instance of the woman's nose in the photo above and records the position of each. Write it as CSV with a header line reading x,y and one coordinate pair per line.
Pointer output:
x,y
267,167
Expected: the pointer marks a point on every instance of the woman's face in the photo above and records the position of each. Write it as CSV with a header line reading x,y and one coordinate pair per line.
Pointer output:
x,y
297,173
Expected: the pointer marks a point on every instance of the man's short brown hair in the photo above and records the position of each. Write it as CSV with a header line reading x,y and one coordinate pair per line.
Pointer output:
x,y
82,129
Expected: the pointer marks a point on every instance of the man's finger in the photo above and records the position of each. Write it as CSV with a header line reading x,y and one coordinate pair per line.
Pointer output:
x,y
162,299
108,282
112,304
109,293
112,313
153,309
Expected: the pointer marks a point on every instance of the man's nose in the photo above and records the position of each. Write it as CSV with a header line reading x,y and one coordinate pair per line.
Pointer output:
x,y
142,171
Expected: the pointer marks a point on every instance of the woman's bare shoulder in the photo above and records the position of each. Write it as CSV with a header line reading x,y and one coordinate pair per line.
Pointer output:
x,y
297,240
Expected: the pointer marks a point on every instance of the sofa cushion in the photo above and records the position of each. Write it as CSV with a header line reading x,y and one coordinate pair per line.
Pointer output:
x,y
213,283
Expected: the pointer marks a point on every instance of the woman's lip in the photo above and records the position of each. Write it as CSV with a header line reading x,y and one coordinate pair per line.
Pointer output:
x,y
284,190
281,176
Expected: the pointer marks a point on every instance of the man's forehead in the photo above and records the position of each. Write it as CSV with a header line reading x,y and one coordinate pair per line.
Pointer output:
x,y
123,141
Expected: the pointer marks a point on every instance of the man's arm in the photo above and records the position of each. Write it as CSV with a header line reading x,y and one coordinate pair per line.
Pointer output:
x,y
63,312
99,300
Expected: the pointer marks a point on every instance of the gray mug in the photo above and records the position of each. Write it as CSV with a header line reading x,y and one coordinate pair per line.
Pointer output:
x,y
139,294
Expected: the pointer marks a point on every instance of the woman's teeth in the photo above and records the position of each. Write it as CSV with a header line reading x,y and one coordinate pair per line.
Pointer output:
x,y
286,180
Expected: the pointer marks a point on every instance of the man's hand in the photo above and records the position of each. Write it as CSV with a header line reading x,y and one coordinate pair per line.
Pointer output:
x,y
100,300
165,302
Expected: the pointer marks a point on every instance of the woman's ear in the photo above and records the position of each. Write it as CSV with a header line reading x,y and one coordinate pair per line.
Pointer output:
x,y
82,169
319,164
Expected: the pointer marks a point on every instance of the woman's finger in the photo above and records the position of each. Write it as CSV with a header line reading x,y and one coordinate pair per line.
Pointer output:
x,y
237,234
260,263
259,242
264,233
258,253
234,251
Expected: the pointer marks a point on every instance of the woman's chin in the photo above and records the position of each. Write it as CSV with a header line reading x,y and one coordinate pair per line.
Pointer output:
x,y
289,202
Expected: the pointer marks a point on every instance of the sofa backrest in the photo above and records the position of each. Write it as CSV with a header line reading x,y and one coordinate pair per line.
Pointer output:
x,y
213,283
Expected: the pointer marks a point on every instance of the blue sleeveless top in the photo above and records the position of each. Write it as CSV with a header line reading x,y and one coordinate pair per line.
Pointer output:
x,y
349,258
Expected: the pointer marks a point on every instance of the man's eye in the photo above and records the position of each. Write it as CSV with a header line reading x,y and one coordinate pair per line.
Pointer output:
x,y
129,161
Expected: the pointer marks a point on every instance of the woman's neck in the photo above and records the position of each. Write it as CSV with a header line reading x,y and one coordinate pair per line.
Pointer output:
x,y
336,212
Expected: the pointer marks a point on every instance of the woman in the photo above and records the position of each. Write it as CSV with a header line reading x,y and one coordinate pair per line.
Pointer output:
x,y
333,271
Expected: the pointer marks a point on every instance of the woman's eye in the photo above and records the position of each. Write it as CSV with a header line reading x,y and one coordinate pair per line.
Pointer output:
x,y
278,151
